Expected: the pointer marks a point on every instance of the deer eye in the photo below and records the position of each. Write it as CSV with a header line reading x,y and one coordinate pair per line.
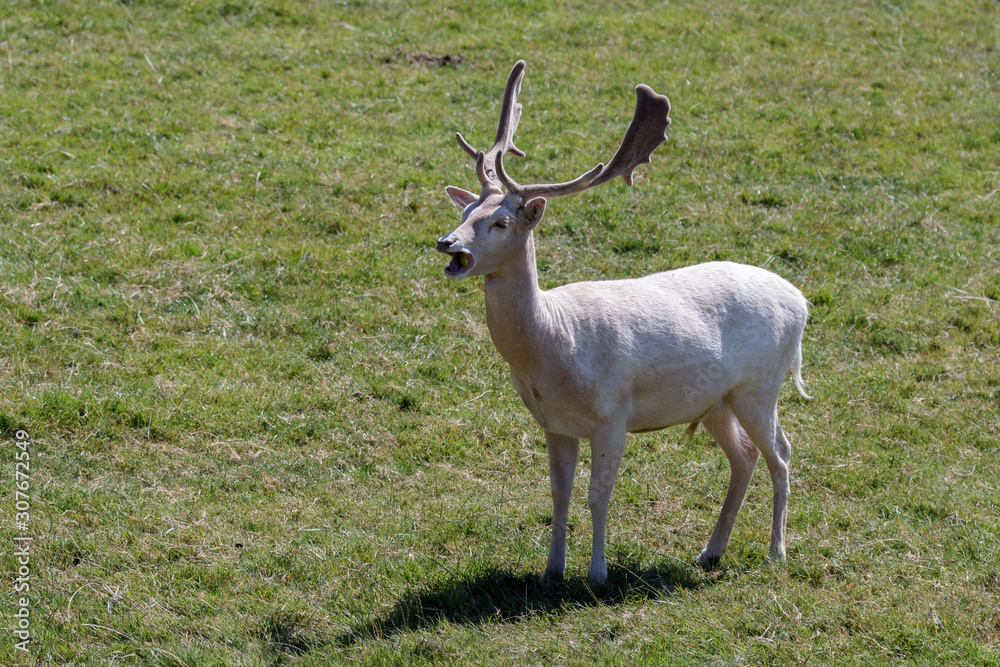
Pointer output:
x,y
502,224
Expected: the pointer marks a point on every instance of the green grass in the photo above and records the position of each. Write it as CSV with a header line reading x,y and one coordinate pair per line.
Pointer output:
x,y
266,430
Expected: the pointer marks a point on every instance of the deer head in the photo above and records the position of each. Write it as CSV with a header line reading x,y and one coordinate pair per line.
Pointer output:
x,y
505,211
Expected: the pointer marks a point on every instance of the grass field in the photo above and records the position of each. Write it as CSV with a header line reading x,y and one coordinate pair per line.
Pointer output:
x,y
263,428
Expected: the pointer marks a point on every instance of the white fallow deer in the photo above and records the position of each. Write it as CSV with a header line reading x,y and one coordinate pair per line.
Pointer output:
x,y
708,344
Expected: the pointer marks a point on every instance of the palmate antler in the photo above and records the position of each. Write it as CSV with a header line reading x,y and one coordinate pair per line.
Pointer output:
x,y
645,133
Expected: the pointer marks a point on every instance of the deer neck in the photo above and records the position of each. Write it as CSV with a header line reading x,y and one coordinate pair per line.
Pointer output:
x,y
516,312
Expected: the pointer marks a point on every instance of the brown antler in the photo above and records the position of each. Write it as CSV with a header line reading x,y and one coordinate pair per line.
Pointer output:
x,y
510,114
645,133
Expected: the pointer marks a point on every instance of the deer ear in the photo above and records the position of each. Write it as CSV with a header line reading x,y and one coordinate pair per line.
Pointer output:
x,y
461,198
532,211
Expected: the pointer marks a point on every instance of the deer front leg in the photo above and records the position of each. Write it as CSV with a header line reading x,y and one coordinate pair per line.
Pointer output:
x,y
606,448
563,454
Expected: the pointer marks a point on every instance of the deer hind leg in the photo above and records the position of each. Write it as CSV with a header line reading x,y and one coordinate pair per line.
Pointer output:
x,y
760,420
722,424
563,454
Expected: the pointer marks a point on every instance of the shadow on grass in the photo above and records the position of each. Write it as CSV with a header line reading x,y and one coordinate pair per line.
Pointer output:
x,y
499,596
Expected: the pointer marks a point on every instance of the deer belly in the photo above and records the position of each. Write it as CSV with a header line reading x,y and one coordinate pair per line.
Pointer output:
x,y
669,407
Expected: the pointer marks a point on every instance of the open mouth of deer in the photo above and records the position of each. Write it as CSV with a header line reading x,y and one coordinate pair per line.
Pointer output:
x,y
460,262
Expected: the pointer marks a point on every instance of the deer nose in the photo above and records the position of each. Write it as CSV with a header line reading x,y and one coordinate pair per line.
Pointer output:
x,y
444,243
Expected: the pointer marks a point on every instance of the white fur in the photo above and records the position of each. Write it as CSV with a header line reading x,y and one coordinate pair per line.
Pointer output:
x,y
707,344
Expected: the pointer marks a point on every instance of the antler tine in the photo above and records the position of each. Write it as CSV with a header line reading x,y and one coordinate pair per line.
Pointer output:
x,y
466,146
484,178
510,114
644,134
